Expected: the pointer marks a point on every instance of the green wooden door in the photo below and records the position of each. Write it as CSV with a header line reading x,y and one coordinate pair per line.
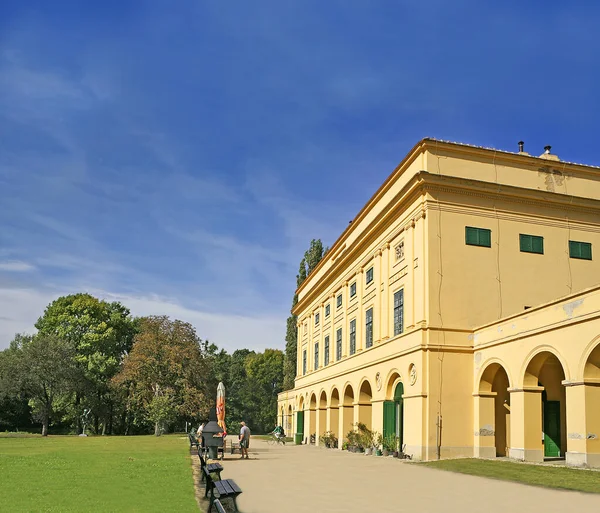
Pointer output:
x,y
399,414
552,429
300,423
389,418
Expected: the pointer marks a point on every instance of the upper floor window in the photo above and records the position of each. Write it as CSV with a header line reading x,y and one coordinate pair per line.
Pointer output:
x,y
353,336
316,355
478,237
338,301
581,250
399,312
369,275
531,244
317,317
353,289
326,355
338,344
304,362
369,328
327,310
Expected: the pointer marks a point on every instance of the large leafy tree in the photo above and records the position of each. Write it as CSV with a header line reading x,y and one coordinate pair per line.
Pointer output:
x,y
101,333
43,369
309,262
165,372
265,380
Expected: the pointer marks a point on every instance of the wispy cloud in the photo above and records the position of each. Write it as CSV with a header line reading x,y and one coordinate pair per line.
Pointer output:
x,y
16,266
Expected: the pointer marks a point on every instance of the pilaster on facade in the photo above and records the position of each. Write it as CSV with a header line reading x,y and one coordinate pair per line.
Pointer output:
x,y
360,316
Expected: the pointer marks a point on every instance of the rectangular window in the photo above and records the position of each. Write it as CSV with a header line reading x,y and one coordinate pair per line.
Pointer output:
x,y
399,312
326,350
317,317
338,301
353,289
338,344
369,275
478,237
304,362
581,250
316,355
327,310
369,328
531,244
353,336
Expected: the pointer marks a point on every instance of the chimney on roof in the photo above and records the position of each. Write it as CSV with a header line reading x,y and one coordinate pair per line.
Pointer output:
x,y
547,155
521,150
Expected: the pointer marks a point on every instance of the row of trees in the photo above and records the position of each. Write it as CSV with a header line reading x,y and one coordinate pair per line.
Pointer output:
x,y
134,375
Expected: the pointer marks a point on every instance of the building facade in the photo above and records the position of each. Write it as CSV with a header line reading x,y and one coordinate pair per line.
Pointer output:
x,y
459,310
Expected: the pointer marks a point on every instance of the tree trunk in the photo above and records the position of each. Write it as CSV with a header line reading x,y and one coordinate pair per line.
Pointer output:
x,y
110,418
157,429
96,426
103,427
78,429
45,423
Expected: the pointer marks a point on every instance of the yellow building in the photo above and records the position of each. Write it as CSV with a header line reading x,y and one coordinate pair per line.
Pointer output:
x,y
459,310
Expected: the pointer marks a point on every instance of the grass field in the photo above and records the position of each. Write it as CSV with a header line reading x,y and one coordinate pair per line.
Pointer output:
x,y
108,474
537,475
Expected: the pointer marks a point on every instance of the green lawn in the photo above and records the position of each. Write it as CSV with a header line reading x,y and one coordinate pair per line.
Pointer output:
x,y
537,475
108,474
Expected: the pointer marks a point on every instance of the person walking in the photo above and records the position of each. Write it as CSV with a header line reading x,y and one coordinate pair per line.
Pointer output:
x,y
244,440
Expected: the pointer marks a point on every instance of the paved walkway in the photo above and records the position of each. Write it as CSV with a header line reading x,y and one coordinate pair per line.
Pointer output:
x,y
300,479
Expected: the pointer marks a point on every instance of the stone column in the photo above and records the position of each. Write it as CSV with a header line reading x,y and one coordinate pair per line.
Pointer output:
x,y
384,317
377,271
485,424
360,315
526,424
583,423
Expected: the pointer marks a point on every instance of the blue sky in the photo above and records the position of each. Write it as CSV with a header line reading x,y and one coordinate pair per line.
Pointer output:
x,y
179,156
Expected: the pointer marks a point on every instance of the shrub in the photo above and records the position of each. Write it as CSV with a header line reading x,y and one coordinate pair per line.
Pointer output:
x,y
329,440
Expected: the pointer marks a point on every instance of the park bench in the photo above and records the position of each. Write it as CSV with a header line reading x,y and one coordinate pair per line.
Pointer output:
x,y
235,446
225,488
193,441
219,506
210,468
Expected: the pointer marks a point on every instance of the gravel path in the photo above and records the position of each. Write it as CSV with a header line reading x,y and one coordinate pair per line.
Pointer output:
x,y
300,479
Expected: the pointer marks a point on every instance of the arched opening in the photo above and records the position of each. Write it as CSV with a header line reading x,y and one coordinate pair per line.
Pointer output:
x,y
393,413
322,415
288,424
585,418
300,418
545,374
364,404
495,419
347,411
312,413
334,413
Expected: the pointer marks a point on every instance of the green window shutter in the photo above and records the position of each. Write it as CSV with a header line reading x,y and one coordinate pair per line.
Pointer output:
x,y
478,237
573,249
525,242
485,238
389,418
471,237
586,250
581,250
531,243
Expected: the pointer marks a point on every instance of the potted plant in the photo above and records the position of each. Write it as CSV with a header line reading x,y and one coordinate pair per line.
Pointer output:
x,y
389,444
379,444
352,441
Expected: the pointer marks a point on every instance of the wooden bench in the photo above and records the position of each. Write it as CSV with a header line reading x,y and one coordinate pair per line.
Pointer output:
x,y
206,469
193,441
226,489
219,506
235,446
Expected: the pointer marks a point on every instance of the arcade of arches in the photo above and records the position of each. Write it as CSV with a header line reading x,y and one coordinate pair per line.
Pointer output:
x,y
533,395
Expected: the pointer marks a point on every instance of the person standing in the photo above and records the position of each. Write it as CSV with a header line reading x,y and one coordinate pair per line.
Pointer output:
x,y
244,440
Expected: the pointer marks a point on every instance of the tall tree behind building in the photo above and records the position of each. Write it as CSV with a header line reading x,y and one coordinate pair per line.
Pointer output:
x,y
311,259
